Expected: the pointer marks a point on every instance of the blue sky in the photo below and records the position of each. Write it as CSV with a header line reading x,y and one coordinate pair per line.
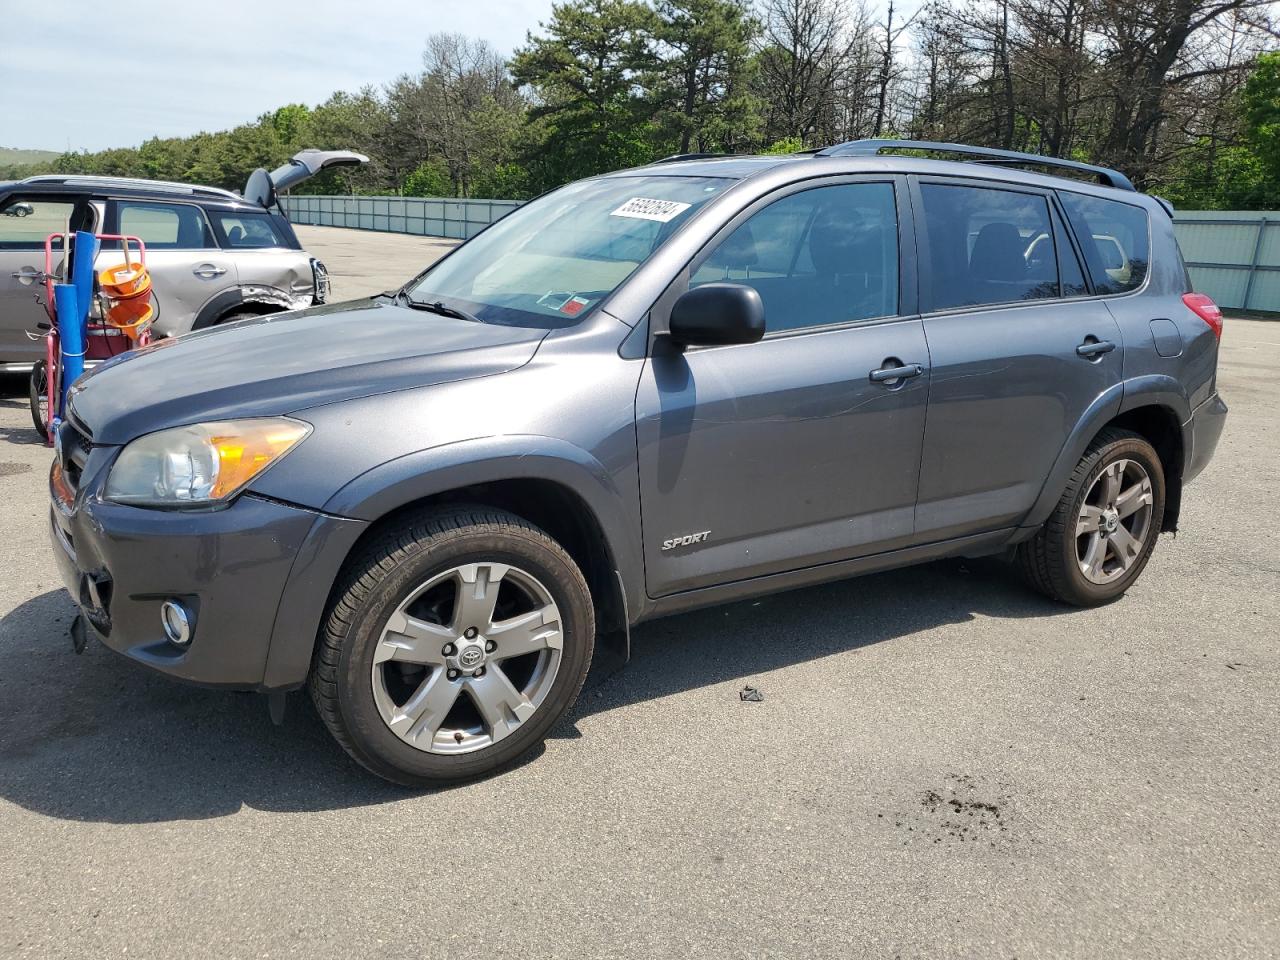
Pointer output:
x,y
90,75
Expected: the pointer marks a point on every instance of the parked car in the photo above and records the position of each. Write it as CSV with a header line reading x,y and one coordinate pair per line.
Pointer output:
x,y
673,386
214,256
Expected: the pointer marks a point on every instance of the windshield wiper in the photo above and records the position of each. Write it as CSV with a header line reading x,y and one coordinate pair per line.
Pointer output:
x,y
442,308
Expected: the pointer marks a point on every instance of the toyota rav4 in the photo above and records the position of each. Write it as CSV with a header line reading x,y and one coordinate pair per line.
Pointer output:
x,y
672,386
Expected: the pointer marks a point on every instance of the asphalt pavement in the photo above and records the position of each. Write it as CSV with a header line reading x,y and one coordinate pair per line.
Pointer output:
x,y
943,765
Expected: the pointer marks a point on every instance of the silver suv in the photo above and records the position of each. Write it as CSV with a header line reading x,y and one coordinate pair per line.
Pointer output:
x,y
214,256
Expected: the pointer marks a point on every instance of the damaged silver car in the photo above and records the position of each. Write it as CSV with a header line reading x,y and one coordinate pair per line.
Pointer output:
x,y
214,256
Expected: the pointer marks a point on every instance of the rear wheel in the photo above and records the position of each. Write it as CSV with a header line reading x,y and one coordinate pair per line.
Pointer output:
x,y
454,644
1099,538
38,390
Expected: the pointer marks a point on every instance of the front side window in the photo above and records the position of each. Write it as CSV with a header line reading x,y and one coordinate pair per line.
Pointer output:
x,y
24,223
251,231
987,246
164,226
1115,240
552,260
821,256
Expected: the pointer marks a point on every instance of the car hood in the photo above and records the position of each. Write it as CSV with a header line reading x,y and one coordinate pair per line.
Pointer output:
x,y
283,363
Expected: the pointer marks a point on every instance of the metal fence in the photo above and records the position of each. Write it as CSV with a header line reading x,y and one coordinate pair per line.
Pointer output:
x,y
427,217
1233,256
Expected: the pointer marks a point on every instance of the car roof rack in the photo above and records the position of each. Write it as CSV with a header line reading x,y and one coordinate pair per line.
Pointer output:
x,y
681,157
870,148
133,183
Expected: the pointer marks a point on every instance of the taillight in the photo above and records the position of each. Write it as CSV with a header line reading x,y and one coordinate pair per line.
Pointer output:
x,y
1206,310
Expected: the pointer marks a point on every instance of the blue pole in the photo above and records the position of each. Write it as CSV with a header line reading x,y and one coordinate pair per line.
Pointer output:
x,y
86,252
71,331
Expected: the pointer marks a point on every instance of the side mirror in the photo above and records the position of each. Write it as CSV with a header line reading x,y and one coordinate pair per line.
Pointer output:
x,y
715,314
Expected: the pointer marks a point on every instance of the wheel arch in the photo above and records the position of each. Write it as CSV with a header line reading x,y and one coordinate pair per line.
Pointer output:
x,y
1158,423
237,300
577,506
1155,408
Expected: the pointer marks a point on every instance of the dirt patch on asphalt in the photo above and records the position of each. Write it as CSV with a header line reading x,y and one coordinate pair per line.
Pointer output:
x,y
961,810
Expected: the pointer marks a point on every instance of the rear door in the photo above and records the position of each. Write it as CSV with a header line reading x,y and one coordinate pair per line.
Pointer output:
x,y
766,457
1019,351
187,267
25,221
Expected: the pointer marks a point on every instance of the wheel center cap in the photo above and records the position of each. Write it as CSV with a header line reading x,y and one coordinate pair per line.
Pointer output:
x,y
471,656
1110,521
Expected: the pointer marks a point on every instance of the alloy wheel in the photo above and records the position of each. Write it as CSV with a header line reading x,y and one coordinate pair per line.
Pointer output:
x,y
467,658
1114,521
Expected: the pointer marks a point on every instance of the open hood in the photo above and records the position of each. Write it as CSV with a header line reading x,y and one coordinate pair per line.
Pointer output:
x,y
261,187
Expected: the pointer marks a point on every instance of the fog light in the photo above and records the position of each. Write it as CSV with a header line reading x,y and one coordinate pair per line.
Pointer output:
x,y
177,622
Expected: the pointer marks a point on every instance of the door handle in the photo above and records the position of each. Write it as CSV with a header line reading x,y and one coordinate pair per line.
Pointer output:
x,y
208,271
1094,348
903,371
27,273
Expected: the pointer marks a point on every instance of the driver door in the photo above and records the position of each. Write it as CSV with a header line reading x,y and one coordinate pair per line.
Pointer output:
x,y
766,457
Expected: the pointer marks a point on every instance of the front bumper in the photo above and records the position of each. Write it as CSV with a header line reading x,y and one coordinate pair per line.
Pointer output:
x,y
229,567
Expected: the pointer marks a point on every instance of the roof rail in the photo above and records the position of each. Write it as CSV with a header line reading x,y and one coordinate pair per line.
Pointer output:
x,y
870,148
681,157
161,186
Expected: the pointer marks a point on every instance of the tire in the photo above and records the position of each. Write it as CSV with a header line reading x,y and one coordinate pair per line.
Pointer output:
x,y
398,609
1065,560
38,396
233,317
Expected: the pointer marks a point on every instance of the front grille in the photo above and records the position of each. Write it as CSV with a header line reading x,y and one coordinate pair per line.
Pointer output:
x,y
73,448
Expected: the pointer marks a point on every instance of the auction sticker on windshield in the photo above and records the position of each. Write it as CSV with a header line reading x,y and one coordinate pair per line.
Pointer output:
x,y
644,208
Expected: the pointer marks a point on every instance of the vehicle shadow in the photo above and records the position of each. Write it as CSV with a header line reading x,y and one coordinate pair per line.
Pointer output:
x,y
743,640
96,738
13,396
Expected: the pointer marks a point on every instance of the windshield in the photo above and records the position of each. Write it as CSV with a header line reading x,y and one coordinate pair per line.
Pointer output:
x,y
550,261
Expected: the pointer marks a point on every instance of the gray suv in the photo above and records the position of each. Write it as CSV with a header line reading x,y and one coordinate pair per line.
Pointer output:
x,y
673,386
213,255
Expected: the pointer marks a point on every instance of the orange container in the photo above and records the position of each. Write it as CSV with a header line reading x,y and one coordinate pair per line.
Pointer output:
x,y
132,316
125,281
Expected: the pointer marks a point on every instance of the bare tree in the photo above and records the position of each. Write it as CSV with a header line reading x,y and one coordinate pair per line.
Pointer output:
x,y
805,48
889,70
447,112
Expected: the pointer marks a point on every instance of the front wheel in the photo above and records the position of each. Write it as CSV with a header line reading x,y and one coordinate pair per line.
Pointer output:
x,y
1100,536
453,644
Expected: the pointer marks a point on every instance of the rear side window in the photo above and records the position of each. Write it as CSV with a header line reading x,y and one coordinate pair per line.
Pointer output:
x,y
164,226
24,224
988,246
248,231
1115,239
821,256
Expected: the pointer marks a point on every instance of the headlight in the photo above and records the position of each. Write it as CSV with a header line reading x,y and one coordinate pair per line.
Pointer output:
x,y
200,464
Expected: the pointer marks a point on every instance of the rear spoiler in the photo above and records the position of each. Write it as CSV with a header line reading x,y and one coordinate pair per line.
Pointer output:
x,y
262,187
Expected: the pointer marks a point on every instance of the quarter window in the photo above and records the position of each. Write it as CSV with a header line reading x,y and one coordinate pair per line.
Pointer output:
x,y
988,246
1115,239
822,256
247,231
164,226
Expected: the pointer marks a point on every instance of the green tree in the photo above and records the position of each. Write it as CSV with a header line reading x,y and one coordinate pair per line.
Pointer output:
x,y
429,179
701,75
585,74
1260,102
